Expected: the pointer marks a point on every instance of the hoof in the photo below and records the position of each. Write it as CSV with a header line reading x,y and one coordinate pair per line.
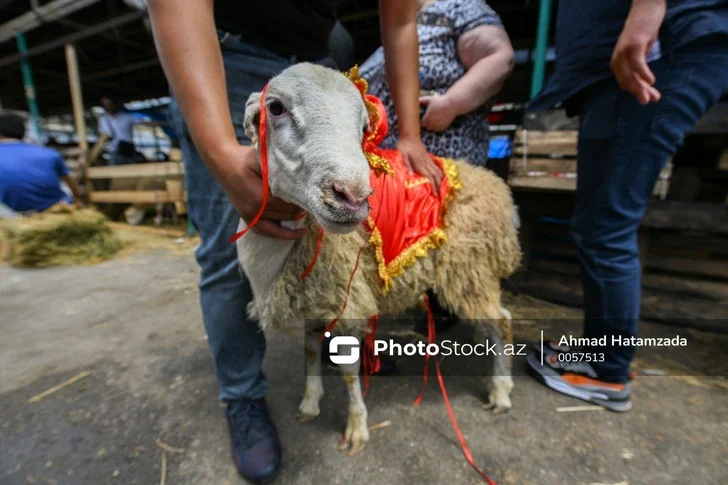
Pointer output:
x,y
500,409
305,418
499,403
354,445
308,410
499,397
355,438
496,409
357,447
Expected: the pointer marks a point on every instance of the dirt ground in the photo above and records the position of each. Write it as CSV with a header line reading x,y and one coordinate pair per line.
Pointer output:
x,y
134,323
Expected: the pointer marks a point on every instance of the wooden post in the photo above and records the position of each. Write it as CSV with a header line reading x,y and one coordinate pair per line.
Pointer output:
x,y
74,82
96,149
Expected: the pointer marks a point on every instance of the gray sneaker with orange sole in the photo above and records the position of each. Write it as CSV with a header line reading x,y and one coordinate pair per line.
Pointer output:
x,y
579,380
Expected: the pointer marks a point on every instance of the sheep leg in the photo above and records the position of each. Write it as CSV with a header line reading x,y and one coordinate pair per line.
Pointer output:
x,y
357,433
309,407
501,383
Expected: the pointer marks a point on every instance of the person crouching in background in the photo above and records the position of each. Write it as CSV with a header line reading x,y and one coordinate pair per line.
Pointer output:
x,y
30,175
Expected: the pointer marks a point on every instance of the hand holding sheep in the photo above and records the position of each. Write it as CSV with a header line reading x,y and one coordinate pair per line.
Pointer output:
x,y
241,179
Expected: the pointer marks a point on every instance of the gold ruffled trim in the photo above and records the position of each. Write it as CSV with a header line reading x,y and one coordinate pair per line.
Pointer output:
x,y
378,164
360,82
419,249
416,183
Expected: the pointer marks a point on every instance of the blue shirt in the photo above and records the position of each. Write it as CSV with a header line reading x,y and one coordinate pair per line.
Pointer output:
x,y
587,31
120,127
30,177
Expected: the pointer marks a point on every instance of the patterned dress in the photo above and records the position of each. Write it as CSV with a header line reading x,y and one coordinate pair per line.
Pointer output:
x,y
439,25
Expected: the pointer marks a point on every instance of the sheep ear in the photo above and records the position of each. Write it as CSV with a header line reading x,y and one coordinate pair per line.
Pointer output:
x,y
252,117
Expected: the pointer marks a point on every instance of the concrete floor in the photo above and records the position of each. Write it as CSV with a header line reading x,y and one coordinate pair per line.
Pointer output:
x,y
134,322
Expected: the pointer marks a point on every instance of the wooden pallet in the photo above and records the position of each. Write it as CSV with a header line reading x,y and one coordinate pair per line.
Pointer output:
x,y
684,254
146,183
546,161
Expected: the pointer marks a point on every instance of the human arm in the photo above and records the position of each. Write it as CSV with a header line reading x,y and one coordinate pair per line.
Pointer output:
x,y
401,54
487,54
73,185
184,32
64,175
629,60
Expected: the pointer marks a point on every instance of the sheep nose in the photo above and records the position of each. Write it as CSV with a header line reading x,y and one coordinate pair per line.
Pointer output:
x,y
350,197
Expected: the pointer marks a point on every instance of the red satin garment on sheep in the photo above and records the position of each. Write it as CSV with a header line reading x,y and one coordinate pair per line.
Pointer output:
x,y
406,218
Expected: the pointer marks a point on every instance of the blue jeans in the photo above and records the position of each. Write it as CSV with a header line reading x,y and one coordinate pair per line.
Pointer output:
x,y
623,146
236,342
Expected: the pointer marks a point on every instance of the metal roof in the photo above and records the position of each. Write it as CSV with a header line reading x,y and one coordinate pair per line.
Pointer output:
x,y
116,51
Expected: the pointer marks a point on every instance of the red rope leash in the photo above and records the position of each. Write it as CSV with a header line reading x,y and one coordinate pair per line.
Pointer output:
x,y
430,340
450,412
319,241
370,362
263,169
333,322
463,442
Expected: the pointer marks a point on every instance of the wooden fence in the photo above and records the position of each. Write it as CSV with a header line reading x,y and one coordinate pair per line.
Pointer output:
x,y
546,160
143,183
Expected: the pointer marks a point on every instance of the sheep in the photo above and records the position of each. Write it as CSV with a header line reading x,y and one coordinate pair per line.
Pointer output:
x,y
316,118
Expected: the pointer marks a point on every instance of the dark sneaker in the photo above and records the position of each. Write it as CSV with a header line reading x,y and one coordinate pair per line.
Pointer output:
x,y
553,346
254,440
579,380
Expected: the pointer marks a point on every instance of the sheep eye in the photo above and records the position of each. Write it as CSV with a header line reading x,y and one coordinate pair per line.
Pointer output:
x,y
276,108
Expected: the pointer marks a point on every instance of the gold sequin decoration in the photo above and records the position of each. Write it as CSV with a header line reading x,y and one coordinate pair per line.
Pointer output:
x,y
419,249
378,164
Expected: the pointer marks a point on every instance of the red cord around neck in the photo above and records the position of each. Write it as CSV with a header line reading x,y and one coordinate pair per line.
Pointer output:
x,y
263,145
319,241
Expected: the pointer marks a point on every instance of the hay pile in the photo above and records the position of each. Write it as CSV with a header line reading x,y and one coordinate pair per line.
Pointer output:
x,y
60,235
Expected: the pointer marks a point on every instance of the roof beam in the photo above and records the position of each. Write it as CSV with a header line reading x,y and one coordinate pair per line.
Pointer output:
x,y
74,37
107,35
41,15
45,73
121,70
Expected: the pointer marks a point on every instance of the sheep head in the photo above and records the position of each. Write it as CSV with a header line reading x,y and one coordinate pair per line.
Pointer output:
x,y
315,122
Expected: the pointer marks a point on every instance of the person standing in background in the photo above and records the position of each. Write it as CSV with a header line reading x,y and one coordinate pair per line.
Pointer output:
x,y
465,57
119,125
669,65
215,55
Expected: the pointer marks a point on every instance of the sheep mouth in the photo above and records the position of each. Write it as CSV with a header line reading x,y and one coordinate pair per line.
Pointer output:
x,y
342,220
